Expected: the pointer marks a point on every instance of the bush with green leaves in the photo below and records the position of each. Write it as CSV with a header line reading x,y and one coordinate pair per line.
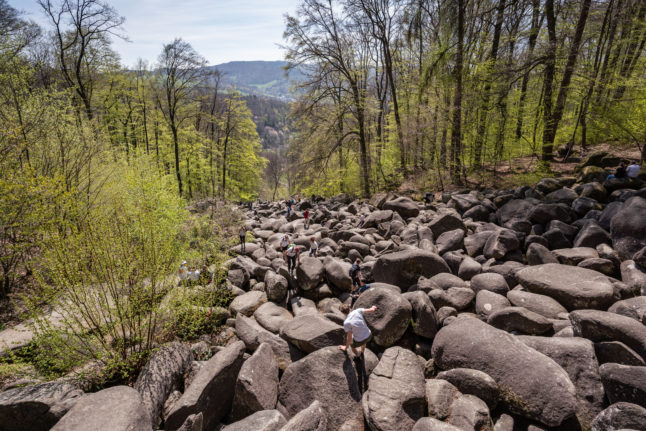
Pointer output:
x,y
106,271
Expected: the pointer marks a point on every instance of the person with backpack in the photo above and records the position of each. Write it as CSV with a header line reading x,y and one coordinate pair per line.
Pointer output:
x,y
355,274
314,247
289,207
242,233
292,253
306,216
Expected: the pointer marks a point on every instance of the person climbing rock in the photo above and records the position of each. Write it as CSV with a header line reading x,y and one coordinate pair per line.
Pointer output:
x,y
314,247
293,253
357,332
242,233
284,243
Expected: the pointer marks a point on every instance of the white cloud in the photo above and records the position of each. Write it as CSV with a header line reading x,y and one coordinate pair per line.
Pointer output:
x,y
220,30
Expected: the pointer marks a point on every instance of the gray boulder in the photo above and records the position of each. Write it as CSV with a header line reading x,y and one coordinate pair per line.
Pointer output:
x,y
312,418
617,352
473,382
531,384
256,387
310,273
392,317
432,424
211,391
573,287
253,335
489,281
263,420
97,412
312,332
36,407
403,268
329,377
627,228
337,273
624,383
163,374
488,302
395,398
440,395
275,286
272,316
541,304
470,413
519,319
247,303
500,243
459,298
621,416
603,326
635,308
424,319
577,357
404,206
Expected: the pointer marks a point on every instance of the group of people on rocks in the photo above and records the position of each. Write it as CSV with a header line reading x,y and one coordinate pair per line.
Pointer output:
x,y
625,172
189,276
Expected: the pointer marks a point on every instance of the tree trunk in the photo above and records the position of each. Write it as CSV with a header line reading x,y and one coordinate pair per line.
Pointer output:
x,y
550,65
456,129
533,35
484,107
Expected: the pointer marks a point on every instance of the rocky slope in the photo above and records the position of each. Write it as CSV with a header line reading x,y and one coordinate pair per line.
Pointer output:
x,y
497,310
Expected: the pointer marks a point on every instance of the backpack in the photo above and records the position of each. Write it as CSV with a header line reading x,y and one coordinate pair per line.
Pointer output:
x,y
354,269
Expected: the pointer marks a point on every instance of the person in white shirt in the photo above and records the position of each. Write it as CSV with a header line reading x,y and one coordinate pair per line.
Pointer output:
x,y
632,171
292,253
183,272
314,247
357,332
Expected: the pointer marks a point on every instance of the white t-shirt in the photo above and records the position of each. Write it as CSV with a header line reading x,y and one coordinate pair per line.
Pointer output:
x,y
632,171
284,242
291,251
314,245
357,324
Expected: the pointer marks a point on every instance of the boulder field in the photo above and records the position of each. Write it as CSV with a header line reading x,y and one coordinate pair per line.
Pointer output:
x,y
520,309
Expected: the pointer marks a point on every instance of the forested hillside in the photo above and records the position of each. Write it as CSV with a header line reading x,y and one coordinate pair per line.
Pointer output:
x,y
263,78
439,91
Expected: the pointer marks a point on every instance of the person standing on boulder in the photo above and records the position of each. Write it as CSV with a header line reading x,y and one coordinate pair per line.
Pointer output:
x,y
306,216
314,247
357,332
242,233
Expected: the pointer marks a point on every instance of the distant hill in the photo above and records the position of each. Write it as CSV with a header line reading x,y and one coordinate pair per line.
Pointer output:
x,y
262,78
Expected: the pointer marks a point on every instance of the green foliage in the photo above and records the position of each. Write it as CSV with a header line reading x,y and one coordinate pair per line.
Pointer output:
x,y
106,274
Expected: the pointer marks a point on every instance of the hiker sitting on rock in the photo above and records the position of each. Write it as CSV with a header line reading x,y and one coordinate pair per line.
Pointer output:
x,y
632,171
620,172
357,332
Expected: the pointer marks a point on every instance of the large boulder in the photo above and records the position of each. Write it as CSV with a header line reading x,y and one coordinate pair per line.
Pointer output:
x,y
375,218
404,206
312,332
424,319
396,397
519,319
541,304
531,384
440,395
337,273
469,412
446,222
635,308
473,382
263,420
329,377
624,383
392,317
211,391
403,268
621,416
577,357
118,408
275,286
309,273
432,424
312,418
603,326
573,287
627,228
36,407
247,303
272,316
257,384
163,374
253,335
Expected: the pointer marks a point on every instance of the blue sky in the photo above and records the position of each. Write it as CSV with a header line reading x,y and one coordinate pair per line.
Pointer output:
x,y
220,30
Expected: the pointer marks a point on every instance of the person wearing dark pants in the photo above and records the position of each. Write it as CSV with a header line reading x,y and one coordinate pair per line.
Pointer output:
x,y
292,254
242,233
